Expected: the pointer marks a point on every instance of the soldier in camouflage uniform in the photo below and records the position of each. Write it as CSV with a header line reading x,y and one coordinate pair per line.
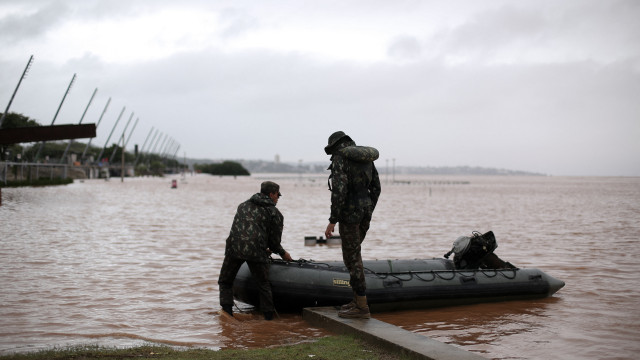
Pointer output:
x,y
255,233
355,188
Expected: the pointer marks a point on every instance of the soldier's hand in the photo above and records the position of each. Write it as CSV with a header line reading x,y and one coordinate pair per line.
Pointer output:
x,y
329,232
286,256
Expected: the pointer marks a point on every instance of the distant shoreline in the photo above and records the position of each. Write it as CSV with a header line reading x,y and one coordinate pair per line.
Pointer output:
x,y
263,166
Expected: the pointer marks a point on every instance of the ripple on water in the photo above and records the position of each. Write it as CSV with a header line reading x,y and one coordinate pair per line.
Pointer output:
x,y
123,263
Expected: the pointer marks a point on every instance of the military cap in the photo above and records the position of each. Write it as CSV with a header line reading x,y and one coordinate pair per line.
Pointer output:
x,y
269,187
334,139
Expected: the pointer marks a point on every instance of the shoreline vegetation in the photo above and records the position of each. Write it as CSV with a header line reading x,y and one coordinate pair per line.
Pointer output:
x,y
341,347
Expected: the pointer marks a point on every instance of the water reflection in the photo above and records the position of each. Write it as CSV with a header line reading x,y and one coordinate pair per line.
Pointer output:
x,y
253,332
477,327
120,263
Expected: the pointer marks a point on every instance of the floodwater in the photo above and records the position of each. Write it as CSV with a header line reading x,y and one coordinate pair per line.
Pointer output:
x,y
121,263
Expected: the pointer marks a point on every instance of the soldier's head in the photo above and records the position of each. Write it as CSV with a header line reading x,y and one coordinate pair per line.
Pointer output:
x,y
335,140
271,189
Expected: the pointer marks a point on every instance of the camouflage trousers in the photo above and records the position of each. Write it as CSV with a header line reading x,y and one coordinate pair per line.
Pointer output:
x,y
352,236
259,271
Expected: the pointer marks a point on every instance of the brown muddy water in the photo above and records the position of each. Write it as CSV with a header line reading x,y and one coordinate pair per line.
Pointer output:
x,y
121,263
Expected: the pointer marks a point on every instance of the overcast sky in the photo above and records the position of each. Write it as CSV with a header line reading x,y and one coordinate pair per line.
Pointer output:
x,y
543,86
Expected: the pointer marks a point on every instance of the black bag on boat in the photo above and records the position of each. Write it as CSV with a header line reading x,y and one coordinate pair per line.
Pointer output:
x,y
471,252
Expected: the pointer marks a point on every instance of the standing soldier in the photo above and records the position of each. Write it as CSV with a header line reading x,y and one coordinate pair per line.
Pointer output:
x,y
255,234
355,188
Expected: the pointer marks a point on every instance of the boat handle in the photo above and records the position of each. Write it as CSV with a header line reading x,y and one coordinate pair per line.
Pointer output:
x,y
467,279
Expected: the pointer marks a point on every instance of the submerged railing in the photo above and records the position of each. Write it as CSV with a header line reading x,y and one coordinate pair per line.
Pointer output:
x,y
31,172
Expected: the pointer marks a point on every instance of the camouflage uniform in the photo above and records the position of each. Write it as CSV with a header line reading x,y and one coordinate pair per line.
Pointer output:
x,y
256,230
355,188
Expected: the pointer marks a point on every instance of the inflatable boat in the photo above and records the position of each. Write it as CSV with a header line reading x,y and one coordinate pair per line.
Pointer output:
x,y
393,284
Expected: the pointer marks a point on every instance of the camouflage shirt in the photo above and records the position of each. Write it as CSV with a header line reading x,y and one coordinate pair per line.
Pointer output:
x,y
257,226
355,186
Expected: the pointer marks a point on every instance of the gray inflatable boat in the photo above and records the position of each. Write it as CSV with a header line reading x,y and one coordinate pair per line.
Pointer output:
x,y
393,284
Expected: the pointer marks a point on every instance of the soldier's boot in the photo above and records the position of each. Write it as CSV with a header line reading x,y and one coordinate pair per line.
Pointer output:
x,y
360,311
350,305
227,313
228,309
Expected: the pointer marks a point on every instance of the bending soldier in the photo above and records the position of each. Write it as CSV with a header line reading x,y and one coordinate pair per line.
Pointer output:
x,y
256,232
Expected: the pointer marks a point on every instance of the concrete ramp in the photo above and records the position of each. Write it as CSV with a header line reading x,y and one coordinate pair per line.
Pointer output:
x,y
389,336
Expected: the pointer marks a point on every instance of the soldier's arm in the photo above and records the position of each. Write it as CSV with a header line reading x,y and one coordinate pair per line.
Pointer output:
x,y
339,183
374,188
275,233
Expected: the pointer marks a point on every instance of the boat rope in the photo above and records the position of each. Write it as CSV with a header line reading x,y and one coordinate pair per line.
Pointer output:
x,y
502,272
444,274
409,275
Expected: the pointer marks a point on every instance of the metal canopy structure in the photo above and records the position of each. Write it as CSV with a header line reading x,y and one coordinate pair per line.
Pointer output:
x,y
46,133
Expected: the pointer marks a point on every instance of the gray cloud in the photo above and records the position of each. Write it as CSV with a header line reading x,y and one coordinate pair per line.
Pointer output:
x,y
17,28
568,114
237,22
405,47
557,32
